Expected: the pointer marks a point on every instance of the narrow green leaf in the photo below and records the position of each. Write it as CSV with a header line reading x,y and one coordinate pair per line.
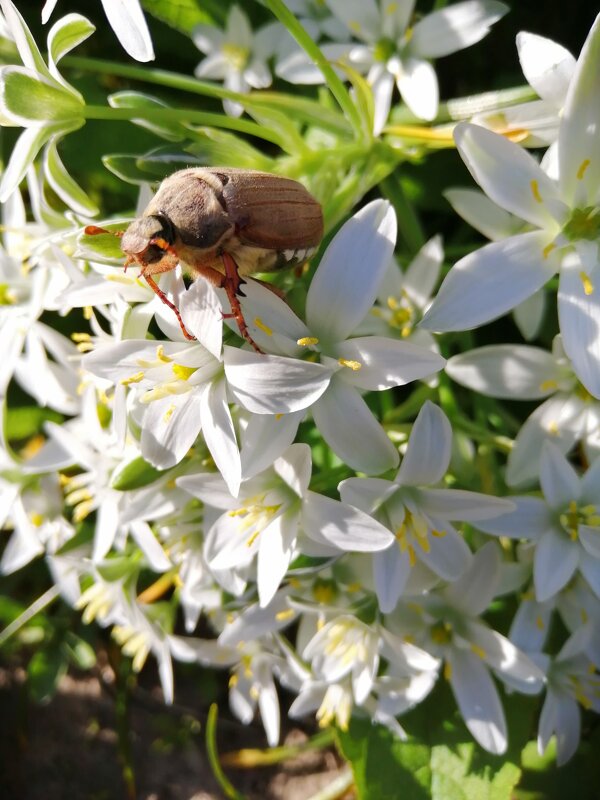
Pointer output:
x,y
134,475
63,184
65,35
79,652
284,125
172,130
212,146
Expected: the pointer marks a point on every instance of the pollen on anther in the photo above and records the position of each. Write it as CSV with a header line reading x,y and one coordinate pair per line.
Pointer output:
x,y
582,168
307,341
549,385
136,378
353,365
588,286
548,249
535,190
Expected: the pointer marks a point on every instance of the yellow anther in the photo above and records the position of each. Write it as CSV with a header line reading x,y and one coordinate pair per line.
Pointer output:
x,y
354,26
354,587
392,302
323,593
353,365
262,327
553,428
408,34
136,378
36,519
182,372
447,670
81,337
588,286
539,622
546,386
548,249
282,616
391,8
438,534
535,190
582,168
233,681
88,312
412,558
160,355
307,341
83,510
278,417
479,651
169,412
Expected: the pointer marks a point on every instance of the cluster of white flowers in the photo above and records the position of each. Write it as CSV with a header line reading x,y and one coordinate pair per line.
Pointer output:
x,y
186,466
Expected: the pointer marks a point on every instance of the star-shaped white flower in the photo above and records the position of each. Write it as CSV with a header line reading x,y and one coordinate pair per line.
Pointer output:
x,y
564,215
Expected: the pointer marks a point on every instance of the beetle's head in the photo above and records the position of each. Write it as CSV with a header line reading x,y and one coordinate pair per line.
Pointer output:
x,y
148,239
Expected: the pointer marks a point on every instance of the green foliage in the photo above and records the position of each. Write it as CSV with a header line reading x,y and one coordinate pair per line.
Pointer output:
x,y
184,15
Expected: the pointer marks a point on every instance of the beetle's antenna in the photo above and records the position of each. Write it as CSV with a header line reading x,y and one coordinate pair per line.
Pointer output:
x,y
231,284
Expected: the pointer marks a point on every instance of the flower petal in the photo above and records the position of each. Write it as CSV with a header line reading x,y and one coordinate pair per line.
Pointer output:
x,y
361,17
391,569
345,527
502,655
558,479
219,434
350,429
556,559
170,428
483,214
273,384
489,282
126,18
386,362
275,552
463,505
547,66
529,315
428,452
418,85
347,280
264,439
474,590
455,27
531,519
507,174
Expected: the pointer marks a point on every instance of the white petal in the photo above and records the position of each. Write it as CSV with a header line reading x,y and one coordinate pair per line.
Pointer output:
x,y
421,276
22,156
368,494
294,467
590,540
382,87
361,17
142,533
556,559
558,478
385,363
201,311
350,429
483,214
297,67
474,590
514,372
126,18
47,10
219,434
590,569
531,519
453,28
547,66
561,716
578,314
347,528
478,701
428,452
273,384
531,624
506,659
449,555
274,555
460,504
106,527
170,428
507,174
418,85
557,420
268,705
210,488
529,315
578,135
265,438
489,282
391,569
347,280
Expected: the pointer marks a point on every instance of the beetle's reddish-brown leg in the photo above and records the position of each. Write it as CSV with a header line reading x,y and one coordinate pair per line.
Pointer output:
x,y
157,290
231,284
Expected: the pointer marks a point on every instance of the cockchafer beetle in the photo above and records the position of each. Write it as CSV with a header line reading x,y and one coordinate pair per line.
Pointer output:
x,y
222,223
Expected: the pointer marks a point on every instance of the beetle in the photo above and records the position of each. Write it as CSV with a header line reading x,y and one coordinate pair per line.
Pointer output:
x,y
222,223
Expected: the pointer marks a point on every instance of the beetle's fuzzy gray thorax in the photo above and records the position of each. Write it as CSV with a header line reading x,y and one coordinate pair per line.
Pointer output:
x,y
138,235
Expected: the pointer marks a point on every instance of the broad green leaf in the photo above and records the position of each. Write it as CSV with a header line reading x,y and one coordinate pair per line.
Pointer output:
x,y
44,671
134,475
461,773
27,100
172,131
184,15
213,146
63,184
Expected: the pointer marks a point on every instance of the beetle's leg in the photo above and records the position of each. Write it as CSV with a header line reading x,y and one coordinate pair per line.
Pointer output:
x,y
231,283
157,290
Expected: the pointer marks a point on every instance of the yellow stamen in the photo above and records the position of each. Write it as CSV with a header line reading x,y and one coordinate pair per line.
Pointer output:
x,y
447,670
85,347
588,286
546,386
582,168
539,622
262,327
81,337
182,372
169,413
160,355
282,616
553,428
535,190
548,249
36,519
307,341
88,312
479,651
136,378
353,365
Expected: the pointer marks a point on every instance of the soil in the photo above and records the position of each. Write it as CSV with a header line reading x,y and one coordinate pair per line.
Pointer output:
x,y
69,748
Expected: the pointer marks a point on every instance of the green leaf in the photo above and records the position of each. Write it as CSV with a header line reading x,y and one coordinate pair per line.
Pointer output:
x,y
289,137
25,99
460,773
26,421
44,671
63,184
172,131
65,35
79,652
103,247
28,49
384,767
134,475
213,146
184,15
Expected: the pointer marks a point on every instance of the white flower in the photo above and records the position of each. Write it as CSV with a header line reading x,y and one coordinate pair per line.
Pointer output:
x,y
548,68
564,214
269,515
565,525
391,51
338,368
517,372
419,516
446,624
572,682
126,18
237,56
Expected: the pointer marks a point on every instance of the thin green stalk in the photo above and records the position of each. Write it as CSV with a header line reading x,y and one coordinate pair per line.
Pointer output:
x,y
213,756
335,84
409,224
183,115
122,709
249,758
38,605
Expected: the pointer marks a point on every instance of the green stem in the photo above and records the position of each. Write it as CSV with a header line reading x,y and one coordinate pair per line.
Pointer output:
x,y
250,758
213,756
409,224
183,114
122,707
38,605
335,84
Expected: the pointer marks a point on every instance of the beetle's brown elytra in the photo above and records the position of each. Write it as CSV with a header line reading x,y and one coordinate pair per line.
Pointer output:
x,y
222,224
